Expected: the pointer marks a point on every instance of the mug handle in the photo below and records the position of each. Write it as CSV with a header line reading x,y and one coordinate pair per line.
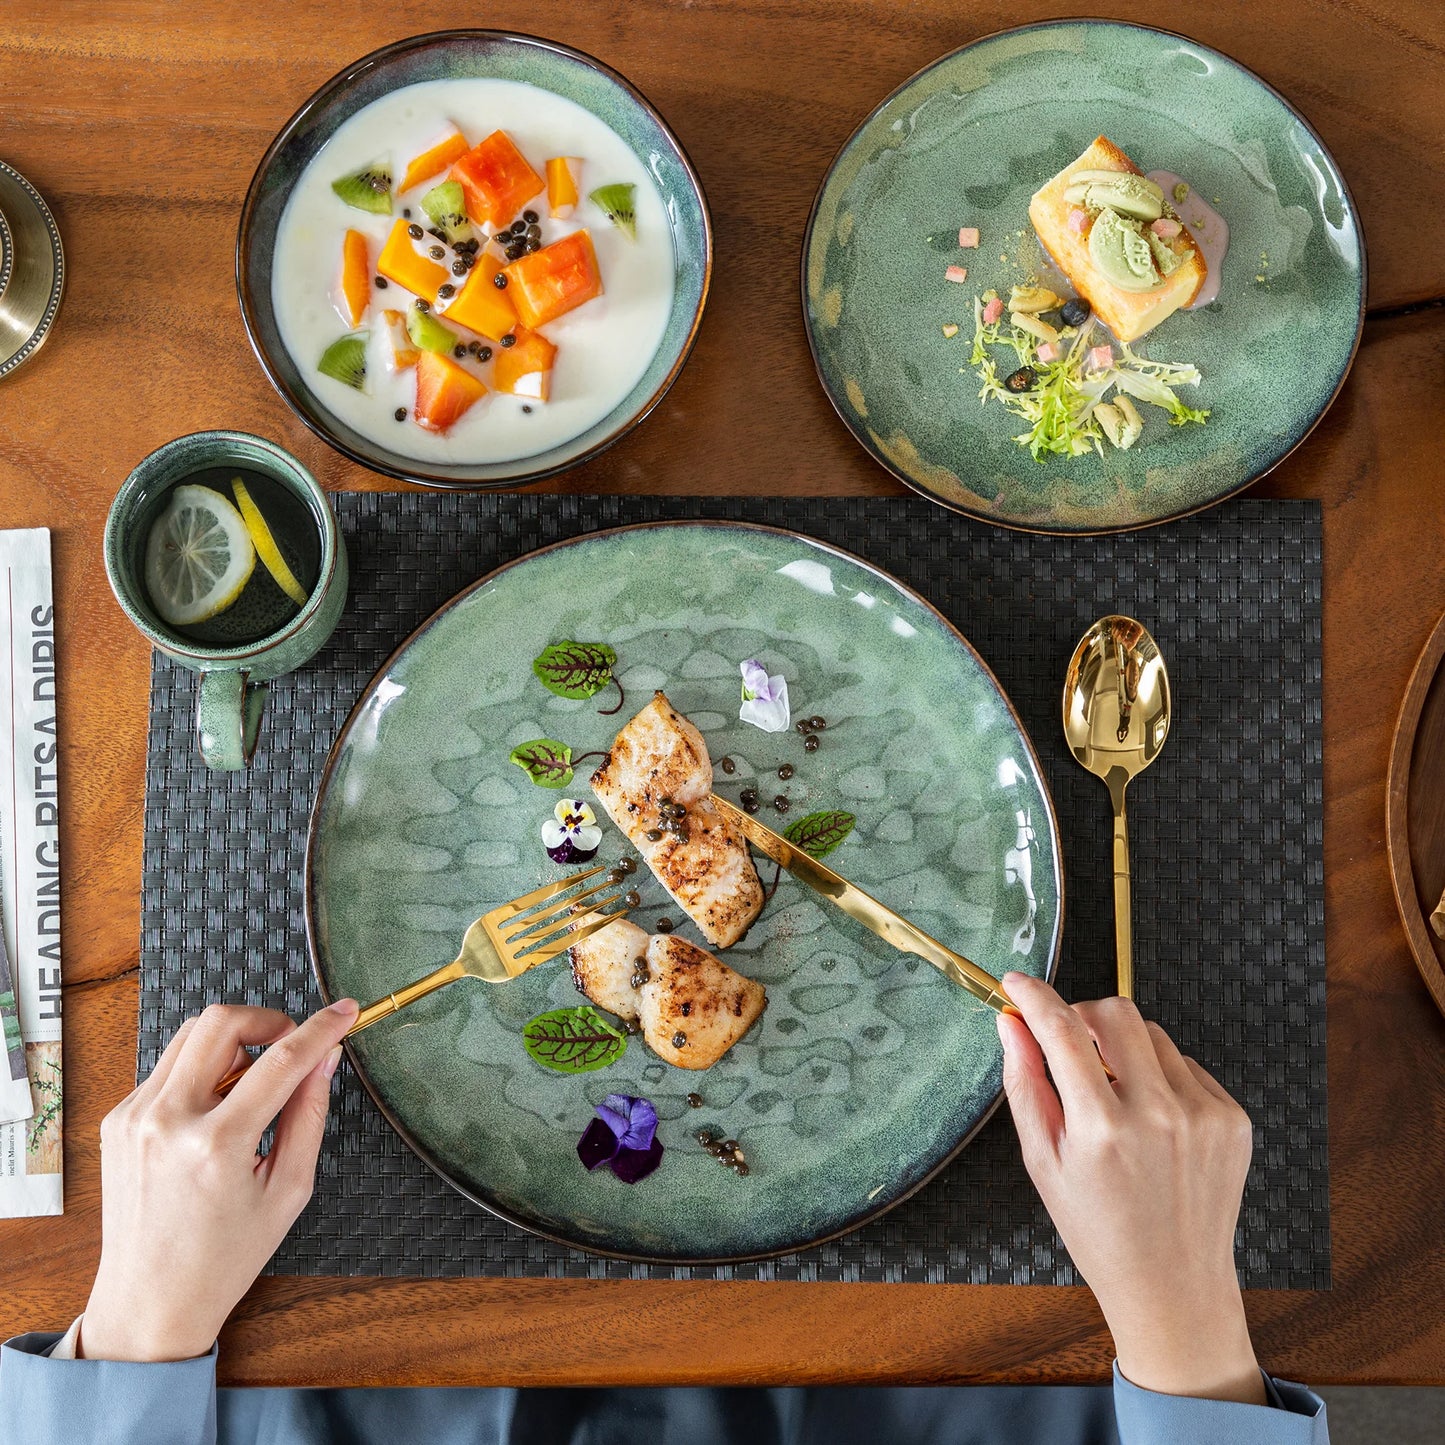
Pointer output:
x,y
228,718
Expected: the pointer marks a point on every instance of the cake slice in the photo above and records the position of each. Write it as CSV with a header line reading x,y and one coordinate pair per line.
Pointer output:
x,y
1168,269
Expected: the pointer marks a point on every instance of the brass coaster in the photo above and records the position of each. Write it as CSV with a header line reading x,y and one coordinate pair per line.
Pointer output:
x,y
32,270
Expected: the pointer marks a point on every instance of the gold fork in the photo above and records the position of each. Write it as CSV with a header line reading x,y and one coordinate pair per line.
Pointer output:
x,y
506,942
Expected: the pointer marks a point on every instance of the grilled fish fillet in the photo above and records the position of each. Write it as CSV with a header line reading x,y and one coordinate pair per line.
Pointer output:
x,y
700,858
688,994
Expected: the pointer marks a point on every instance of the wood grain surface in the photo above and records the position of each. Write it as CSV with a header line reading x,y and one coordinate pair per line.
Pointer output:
x,y
142,122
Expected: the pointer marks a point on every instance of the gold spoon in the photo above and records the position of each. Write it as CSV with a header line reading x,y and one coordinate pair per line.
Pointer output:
x,y
1116,717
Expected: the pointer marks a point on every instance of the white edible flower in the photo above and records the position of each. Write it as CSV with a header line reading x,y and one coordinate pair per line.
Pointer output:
x,y
765,699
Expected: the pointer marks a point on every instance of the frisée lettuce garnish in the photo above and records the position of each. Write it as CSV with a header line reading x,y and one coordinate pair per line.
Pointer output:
x,y
1068,407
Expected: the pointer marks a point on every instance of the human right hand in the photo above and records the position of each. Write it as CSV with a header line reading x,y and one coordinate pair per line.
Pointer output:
x,y
1143,1179
190,1212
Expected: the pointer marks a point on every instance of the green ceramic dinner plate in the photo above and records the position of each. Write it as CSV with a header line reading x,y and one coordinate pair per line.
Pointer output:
x,y
966,142
868,1070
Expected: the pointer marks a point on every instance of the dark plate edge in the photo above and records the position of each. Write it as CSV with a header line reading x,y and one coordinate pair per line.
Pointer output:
x,y
417,475
308,879
1014,526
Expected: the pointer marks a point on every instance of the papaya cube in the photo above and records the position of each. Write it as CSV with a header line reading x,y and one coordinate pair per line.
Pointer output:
x,y
404,351
496,180
434,160
525,367
555,280
401,262
444,391
480,306
562,185
355,277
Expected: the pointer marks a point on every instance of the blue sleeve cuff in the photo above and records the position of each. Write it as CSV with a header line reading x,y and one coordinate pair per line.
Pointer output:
x,y
1294,1416
45,1399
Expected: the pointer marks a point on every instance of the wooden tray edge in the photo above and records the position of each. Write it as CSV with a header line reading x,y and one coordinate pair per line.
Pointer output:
x,y
1397,797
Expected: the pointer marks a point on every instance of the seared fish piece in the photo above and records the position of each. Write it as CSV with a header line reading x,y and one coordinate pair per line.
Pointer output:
x,y
686,995
699,857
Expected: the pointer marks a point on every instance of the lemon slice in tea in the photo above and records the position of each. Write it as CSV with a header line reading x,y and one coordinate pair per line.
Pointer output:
x,y
199,556
265,543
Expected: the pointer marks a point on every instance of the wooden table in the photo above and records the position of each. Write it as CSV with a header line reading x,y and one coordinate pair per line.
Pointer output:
x,y
141,124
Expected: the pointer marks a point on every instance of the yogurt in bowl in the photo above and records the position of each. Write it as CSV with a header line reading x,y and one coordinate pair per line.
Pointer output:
x,y
322,265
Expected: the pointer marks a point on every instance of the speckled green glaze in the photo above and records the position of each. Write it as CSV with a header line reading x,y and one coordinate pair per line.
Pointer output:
x,y
459,54
966,143
868,1068
231,690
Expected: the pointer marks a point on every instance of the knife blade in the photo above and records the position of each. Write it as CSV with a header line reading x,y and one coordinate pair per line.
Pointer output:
x,y
873,915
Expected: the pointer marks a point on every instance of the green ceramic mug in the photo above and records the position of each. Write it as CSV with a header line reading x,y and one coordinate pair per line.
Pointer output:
x,y
234,677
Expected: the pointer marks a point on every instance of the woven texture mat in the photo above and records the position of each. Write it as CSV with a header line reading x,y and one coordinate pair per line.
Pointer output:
x,y
1226,831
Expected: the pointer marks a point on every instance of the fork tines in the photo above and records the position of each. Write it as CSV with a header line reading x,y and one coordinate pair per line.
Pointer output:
x,y
556,915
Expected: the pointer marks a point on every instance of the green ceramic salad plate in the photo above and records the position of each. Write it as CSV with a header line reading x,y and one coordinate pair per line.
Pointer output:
x,y
963,145
868,1070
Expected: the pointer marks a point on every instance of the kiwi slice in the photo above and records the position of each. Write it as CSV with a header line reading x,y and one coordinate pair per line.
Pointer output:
x,y
345,360
368,189
616,201
446,210
428,333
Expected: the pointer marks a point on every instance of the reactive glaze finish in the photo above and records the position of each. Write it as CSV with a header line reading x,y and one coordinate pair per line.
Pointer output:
x,y
868,1068
966,142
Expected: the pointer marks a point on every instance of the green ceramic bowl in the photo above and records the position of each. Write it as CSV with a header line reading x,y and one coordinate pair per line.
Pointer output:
x,y
496,54
868,1070
966,142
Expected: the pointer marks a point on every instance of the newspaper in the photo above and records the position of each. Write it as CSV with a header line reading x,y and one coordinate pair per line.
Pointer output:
x,y
15,1102
30,1149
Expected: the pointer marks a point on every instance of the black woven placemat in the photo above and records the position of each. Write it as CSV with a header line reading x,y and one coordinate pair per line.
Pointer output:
x,y
1226,832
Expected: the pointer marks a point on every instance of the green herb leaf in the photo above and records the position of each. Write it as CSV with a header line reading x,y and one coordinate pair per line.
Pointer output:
x,y
575,669
819,833
546,761
573,1040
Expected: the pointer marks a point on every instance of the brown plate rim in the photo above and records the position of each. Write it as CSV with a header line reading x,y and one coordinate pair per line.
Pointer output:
x,y
995,521
1397,814
309,877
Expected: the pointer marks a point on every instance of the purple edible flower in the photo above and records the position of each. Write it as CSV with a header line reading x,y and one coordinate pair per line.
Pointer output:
x,y
624,1135
634,1121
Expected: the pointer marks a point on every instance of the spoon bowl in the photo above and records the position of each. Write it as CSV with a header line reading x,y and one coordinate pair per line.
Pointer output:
x,y
1116,710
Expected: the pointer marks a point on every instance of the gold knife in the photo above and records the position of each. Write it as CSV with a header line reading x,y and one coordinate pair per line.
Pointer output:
x,y
872,914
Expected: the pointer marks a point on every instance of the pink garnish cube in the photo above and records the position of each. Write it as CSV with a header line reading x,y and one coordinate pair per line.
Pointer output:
x,y
1165,227
1078,221
1048,352
1101,358
957,274
993,311
968,237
